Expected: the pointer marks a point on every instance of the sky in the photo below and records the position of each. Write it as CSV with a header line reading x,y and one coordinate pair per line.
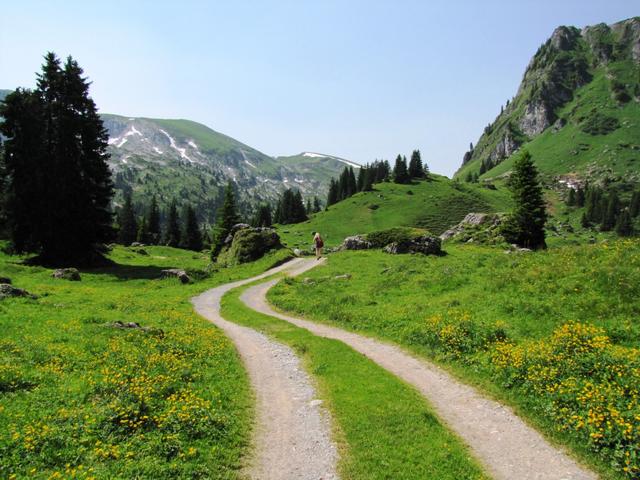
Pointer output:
x,y
361,80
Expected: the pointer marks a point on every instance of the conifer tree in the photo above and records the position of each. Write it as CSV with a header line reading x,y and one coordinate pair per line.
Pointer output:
x,y
226,219
525,225
332,197
308,207
153,222
416,170
483,168
142,236
191,237
580,197
173,233
400,172
610,213
262,217
316,205
56,132
624,226
571,198
128,231
584,220
634,204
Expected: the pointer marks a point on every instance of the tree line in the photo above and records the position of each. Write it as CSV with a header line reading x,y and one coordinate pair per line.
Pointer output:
x,y
604,209
379,171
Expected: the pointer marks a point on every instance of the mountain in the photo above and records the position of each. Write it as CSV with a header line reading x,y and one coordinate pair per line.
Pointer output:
x,y
189,161
577,109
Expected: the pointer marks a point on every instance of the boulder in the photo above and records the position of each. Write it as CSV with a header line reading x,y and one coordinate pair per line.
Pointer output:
x,y
6,280
249,244
138,244
177,273
424,244
71,274
357,242
345,276
7,291
236,228
135,325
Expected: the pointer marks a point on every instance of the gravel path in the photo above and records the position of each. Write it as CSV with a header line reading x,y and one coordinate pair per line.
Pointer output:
x,y
508,447
293,435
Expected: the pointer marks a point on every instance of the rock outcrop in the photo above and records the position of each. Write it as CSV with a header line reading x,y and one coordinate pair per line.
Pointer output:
x,y
480,227
7,290
356,242
71,274
425,245
176,273
248,244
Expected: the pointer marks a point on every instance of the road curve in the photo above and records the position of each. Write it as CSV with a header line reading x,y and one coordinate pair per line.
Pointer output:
x,y
293,434
508,447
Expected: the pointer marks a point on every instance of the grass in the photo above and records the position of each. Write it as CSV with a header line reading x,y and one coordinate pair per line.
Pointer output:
x,y
553,333
434,205
81,399
385,427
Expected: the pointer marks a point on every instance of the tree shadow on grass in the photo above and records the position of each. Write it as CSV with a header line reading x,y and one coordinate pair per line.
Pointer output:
x,y
130,272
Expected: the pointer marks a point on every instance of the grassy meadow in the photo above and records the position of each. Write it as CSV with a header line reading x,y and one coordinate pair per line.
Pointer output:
x,y
553,333
82,399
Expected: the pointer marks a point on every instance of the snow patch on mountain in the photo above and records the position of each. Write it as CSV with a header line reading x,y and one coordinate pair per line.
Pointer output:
x,y
322,155
158,151
246,160
122,142
181,151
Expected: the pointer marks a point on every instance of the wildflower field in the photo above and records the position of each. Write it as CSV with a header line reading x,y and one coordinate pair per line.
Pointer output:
x,y
556,334
80,398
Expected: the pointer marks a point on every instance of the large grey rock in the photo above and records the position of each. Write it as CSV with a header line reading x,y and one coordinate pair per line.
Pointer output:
x,y
536,118
176,273
425,245
71,274
249,244
7,291
236,228
470,219
356,242
138,244
505,148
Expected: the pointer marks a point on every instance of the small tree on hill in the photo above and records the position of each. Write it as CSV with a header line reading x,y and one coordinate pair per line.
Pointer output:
x,y
316,205
634,204
416,170
400,171
624,226
227,218
610,213
332,197
525,225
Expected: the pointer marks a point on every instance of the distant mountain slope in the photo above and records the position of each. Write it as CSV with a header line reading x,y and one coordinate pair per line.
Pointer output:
x,y
577,109
436,205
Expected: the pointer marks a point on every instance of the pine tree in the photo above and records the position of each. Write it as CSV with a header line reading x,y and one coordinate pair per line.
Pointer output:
x,y
634,204
316,205
128,231
262,217
584,220
580,197
525,225
571,198
153,222
191,237
416,169
469,178
332,197
400,172
173,233
142,236
610,213
483,168
308,207
226,219
58,135
624,226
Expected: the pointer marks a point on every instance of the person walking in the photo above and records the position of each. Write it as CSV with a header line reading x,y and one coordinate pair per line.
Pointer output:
x,y
319,243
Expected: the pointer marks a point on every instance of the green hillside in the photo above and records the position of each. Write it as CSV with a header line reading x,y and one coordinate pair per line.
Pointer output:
x,y
577,109
434,204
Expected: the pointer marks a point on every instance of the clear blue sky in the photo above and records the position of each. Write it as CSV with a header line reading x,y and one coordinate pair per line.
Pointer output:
x,y
357,79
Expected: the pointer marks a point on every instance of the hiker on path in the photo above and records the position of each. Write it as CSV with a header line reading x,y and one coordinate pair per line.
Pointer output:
x,y
319,243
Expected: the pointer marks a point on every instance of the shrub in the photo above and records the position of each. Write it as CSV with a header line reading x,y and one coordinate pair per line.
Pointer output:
x,y
383,238
598,124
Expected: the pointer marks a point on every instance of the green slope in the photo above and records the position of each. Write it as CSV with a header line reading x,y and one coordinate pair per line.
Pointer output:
x,y
577,109
435,204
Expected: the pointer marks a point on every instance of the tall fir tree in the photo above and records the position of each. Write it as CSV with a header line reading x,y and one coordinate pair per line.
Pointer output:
x,y
173,233
128,226
400,172
580,197
143,231
624,225
610,213
226,219
525,225
71,180
262,217
571,198
191,235
153,222
316,205
634,204
333,194
416,170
